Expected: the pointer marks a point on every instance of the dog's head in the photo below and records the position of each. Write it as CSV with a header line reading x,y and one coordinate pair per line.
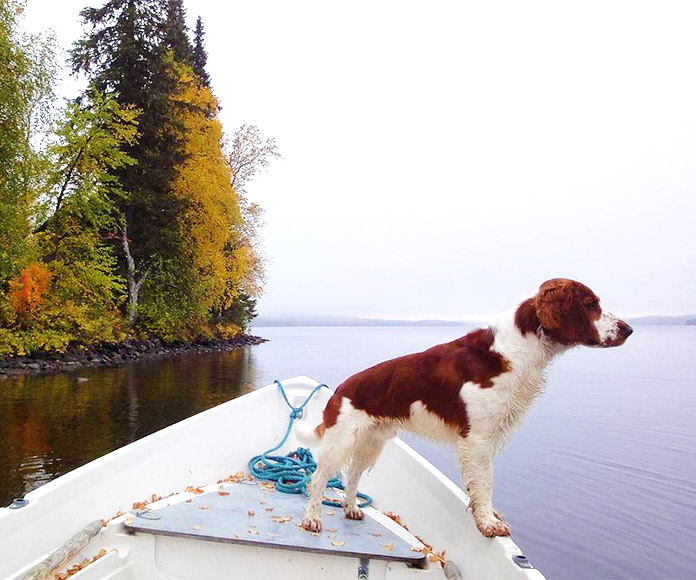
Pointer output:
x,y
569,313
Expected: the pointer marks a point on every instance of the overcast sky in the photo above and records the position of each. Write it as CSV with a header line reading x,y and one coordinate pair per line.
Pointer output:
x,y
442,159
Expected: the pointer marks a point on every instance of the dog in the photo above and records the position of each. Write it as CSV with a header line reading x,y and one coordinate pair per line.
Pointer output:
x,y
470,393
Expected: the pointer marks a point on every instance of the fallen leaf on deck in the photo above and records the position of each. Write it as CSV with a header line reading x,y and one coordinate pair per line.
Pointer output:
x,y
330,513
189,500
281,519
192,489
251,512
74,569
223,493
416,549
139,505
330,529
203,507
337,543
196,527
269,509
388,547
332,536
376,534
254,532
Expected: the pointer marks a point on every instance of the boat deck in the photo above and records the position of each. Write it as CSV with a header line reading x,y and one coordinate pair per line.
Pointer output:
x,y
255,514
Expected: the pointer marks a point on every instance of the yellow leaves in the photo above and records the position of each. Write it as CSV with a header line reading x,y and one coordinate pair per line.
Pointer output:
x,y
203,183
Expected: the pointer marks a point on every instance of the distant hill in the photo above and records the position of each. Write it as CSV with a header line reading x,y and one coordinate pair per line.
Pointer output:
x,y
665,320
347,321
281,320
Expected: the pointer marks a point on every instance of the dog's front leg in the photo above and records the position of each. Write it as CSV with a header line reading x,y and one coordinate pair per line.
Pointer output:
x,y
475,459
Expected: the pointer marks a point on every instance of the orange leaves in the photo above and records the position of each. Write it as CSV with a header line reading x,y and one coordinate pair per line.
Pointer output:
x,y
77,567
236,478
432,555
27,289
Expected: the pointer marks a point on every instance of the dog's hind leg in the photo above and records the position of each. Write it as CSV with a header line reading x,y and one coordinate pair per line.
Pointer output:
x,y
367,450
335,449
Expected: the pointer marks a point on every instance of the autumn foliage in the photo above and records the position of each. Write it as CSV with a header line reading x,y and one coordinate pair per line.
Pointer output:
x,y
130,218
26,291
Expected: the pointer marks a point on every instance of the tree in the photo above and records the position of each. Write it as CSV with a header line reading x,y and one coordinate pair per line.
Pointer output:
x,y
175,32
74,293
87,151
125,54
199,58
27,71
210,217
248,154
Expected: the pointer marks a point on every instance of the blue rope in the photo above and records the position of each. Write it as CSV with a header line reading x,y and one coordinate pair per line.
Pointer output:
x,y
292,472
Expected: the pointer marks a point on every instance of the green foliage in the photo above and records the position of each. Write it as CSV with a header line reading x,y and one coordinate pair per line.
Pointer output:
x,y
27,71
241,312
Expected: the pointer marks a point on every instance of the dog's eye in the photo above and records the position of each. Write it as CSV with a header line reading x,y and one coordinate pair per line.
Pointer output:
x,y
591,305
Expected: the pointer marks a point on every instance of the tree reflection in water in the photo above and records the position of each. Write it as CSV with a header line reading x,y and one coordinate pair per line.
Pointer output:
x,y
51,424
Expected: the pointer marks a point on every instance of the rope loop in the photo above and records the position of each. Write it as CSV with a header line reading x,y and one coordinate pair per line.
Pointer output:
x,y
292,472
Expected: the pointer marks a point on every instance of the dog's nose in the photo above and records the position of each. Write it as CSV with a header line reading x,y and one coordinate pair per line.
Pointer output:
x,y
626,329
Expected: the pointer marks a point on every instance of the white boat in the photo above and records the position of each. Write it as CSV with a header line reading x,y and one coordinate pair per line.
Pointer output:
x,y
208,528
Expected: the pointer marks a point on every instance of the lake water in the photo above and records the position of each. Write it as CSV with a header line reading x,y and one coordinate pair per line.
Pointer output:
x,y
599,482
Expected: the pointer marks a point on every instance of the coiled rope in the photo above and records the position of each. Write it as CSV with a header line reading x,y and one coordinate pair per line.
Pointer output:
x,y
292,472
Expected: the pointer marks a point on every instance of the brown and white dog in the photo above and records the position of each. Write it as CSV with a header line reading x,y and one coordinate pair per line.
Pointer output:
x,y
470,393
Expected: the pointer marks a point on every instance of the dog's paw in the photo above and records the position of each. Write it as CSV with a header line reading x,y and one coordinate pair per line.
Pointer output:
x,y
353,513
311,524
493,525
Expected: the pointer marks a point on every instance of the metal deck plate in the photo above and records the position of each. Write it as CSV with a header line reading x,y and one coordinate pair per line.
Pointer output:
x,y
245,517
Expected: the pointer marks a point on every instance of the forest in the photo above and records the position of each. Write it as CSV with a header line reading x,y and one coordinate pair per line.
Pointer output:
x,y
123,212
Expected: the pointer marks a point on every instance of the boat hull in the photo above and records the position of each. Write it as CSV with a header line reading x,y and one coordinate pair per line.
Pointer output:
x,y
210,446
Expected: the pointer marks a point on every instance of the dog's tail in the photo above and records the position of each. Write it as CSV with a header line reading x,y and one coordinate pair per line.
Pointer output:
x,y
307,434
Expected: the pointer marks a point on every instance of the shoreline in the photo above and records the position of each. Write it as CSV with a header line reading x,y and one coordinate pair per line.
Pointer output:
x,y
110,355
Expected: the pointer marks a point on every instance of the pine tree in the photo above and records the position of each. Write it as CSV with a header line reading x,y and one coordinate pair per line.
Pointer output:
x,y
200,56
175,32
125,54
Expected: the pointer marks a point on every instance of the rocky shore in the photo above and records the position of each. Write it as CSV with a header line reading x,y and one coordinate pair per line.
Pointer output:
x,y
116,354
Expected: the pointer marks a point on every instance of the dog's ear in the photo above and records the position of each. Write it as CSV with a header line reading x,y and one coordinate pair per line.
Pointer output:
x,y
555,297
526,317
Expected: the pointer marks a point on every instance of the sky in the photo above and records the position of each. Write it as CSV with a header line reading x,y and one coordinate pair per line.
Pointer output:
x,y
443,159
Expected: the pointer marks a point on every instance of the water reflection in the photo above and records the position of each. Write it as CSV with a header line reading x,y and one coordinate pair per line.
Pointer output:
x,y
52,424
